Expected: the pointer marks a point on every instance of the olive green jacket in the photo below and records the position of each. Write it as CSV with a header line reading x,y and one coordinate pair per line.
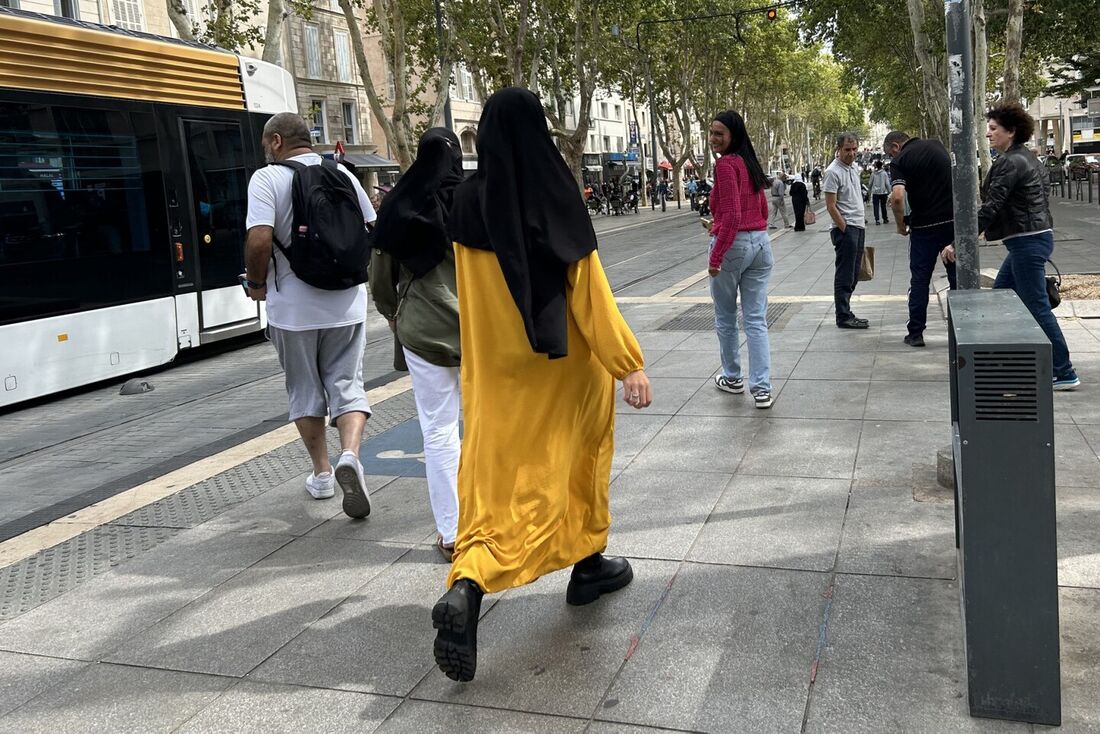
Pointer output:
x,y
425,309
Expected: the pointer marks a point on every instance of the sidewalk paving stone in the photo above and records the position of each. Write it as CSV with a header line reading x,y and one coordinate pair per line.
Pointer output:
x,y
538,654
901,453
888,533
685,363
903,401
263,708
777,522
729,650
426,717
669,395
22,677
699,444
822,399
242,622
658,514
834,366
711,401
403,503
117,699
796,447
138,594
894,660
378,640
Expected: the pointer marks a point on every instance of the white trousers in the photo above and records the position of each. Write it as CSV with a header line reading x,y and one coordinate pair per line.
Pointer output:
x,y
438,399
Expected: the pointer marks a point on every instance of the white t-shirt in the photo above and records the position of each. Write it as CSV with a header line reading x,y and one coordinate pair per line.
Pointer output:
x,y
294,305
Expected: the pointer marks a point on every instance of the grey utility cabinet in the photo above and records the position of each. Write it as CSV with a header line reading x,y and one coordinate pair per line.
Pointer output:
x,y
1002,414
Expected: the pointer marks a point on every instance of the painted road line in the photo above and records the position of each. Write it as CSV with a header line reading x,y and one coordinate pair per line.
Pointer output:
x,y
31,542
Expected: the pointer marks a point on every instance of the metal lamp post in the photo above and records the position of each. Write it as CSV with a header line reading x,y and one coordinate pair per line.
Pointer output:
x,y
964,153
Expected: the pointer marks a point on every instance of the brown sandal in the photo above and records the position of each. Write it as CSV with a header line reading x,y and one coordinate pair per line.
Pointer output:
x,y
447,551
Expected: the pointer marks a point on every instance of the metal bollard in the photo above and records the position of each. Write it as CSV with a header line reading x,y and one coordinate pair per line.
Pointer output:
x,y
1002,414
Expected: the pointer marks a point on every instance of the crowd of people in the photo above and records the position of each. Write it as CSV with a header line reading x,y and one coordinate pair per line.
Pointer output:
x,y
532,363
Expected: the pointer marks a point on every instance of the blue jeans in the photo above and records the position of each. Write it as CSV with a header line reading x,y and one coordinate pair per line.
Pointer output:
x,y
1024,271
925,246
746,266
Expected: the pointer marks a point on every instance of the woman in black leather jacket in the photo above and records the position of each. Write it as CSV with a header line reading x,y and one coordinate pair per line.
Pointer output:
x,y
1015,209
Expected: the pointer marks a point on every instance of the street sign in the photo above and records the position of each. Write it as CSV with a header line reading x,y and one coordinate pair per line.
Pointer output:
x,y
633,132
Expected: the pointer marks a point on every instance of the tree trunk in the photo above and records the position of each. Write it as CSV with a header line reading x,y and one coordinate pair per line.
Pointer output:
x,y
273,36
981,83
396,134
1014,41
177,13
935,88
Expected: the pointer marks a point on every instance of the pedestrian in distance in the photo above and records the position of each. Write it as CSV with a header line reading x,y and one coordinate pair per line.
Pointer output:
x,y
815,179
740,258
317,327
412,282
691,188
779,200
1016,210
921,176
800,200
880,192
844,203
542,345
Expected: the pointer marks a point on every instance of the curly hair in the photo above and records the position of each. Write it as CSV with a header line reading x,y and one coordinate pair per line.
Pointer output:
x,y
1012,116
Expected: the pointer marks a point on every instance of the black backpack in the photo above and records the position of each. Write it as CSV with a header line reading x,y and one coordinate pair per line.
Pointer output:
x,y
329,245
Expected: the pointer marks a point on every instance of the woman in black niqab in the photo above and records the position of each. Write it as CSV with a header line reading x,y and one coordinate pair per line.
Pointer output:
x,y
412,227
524,205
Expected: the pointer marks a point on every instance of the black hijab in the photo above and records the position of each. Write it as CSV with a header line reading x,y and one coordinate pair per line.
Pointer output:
x,y
523,204
412,226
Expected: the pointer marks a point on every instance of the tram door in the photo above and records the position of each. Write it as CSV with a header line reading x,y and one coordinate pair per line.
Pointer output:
x,y
218,180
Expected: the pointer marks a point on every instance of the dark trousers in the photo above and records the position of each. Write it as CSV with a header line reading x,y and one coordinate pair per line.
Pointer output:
x,y
879,202
1024,271
849,254
925,246
800,214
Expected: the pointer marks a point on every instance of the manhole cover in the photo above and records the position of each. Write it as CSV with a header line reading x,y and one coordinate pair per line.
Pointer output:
x,y
700,317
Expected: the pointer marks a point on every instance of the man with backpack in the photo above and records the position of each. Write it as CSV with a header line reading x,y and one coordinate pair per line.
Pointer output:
x,y
306,255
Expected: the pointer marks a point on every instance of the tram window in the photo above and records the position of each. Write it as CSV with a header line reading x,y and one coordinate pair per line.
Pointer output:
x,y
81,210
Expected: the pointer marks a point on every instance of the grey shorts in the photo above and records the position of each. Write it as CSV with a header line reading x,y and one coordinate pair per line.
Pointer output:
x,y
324,370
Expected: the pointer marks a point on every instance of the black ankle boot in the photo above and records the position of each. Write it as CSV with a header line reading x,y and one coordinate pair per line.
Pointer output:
x,y
455,615
596,575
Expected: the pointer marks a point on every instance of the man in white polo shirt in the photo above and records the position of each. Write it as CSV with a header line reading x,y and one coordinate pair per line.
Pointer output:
x,y
844,202
318,334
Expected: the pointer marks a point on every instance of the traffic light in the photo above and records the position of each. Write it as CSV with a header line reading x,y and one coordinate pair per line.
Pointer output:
x,y
772,14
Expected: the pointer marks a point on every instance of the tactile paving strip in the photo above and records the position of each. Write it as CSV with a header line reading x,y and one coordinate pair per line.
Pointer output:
x,y
205,500
52,572
27,584
700,317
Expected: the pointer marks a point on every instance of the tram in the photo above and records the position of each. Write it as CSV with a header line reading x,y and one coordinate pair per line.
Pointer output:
x,y
124,166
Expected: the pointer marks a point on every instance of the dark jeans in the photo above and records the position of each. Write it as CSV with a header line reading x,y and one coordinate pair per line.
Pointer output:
x,y
849,254
879,201
1024,271
925,245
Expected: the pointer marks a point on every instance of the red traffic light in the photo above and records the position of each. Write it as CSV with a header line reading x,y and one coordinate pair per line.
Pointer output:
x,y
772,13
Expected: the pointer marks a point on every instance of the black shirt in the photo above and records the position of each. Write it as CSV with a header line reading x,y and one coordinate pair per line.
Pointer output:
x,y
925,168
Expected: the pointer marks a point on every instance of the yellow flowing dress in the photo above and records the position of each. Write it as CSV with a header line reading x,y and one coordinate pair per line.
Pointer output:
x,y
539,432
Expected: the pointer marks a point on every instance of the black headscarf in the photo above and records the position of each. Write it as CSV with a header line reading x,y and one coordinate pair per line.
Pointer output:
x,y
412,226
523,204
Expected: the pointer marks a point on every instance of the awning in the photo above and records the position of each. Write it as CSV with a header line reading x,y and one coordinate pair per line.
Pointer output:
x,y
366,160
665,166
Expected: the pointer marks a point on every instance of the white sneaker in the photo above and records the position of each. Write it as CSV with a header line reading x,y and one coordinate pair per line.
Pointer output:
x,y
321,486
349,474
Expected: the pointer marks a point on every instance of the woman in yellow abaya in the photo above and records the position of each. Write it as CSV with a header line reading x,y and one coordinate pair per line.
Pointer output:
x,y
542,344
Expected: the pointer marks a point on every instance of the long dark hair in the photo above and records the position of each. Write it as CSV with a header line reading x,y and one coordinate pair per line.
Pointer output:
x,y
742,146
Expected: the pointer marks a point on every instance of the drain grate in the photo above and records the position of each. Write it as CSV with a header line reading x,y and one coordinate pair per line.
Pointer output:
x,y
700,317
